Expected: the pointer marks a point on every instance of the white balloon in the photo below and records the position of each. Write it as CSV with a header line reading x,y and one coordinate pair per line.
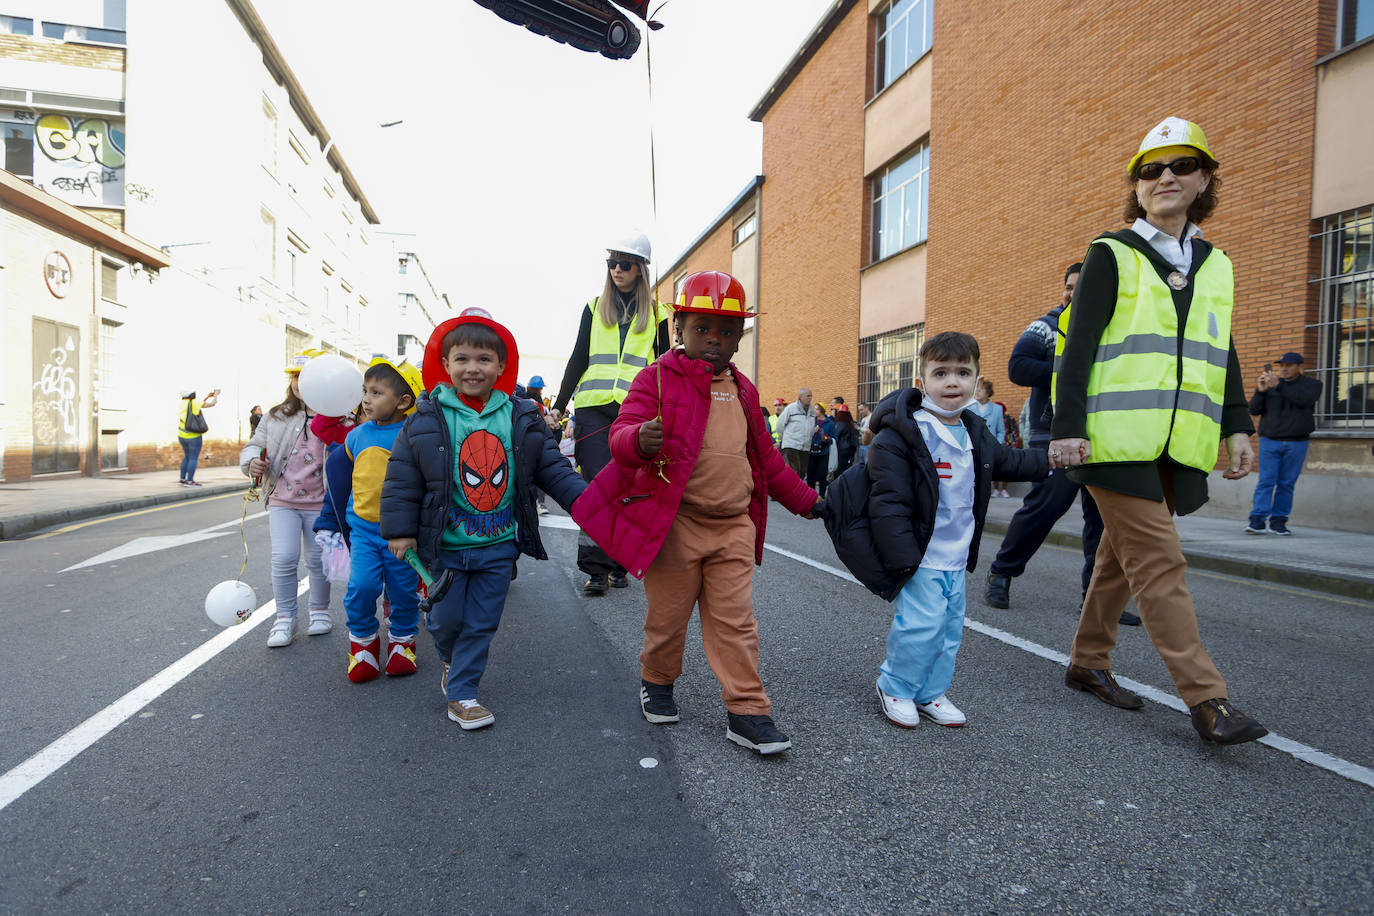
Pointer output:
x,y
231,603
331,385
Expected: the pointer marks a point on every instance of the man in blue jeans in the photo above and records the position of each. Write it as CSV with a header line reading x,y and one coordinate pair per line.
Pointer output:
x,y
1284,401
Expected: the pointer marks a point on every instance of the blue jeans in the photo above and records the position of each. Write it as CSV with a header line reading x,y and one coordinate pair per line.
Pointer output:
x,y
371,566
190,456
1280,463
464,623
926,632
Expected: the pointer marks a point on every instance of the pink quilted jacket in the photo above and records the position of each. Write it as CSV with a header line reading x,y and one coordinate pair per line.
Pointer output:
x,y
629,508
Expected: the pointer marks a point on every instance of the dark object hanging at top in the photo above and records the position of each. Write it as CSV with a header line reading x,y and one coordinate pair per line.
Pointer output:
x,y
589,25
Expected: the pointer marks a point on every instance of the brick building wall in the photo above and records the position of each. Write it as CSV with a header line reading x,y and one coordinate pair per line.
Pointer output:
x,y
1036,111
73,54
812,222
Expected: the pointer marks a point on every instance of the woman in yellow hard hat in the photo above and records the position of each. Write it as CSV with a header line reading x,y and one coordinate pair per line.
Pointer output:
x,y
1147,384
621,332
288,459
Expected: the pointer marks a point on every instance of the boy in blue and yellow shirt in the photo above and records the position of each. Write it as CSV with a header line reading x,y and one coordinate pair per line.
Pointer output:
x,y
460,490
389,393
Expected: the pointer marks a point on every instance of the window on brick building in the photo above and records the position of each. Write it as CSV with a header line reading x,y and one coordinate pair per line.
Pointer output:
x,y
746,228
888,362
16,25
1355,22
1345,330
901,197
904,28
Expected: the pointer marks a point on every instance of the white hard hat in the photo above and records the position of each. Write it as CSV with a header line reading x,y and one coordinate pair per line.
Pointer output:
x,y
636,243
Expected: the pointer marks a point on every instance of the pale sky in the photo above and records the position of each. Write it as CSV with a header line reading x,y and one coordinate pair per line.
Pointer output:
x,y
519,157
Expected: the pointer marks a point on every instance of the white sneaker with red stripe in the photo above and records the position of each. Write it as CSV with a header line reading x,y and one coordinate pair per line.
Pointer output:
x,y
363,665
942,712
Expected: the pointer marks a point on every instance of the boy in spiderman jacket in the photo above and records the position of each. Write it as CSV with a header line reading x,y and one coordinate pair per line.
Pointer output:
x,y
460,490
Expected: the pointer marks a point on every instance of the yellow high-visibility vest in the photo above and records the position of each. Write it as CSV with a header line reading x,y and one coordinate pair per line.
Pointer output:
x,y
1150,391
610,367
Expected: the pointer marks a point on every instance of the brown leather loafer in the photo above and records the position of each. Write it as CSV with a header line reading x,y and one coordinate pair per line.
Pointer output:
x,y
1217,720
1101,684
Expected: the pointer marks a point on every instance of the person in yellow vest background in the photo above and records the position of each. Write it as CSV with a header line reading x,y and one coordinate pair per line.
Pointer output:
x,y
191,426
1147,384
621,331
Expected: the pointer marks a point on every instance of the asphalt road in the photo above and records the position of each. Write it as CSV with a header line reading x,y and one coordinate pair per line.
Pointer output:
x,y
263,782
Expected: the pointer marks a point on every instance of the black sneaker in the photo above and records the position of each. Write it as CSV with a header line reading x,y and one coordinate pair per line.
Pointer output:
x,y
1279,526
656,702
619,580
595,585
1129,620
758,733
998,594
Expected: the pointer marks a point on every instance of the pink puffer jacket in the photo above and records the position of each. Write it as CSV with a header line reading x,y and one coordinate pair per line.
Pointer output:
x,y
629,507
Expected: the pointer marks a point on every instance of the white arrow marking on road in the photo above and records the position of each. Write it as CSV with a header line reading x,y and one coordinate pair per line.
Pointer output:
x,y
139,546
1309,755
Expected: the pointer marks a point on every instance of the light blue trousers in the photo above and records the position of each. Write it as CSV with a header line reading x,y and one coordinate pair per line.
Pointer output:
x,y
927,628
289,530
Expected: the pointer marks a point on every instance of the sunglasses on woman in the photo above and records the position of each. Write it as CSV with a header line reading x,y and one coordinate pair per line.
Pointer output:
x,y
1185,165
612,263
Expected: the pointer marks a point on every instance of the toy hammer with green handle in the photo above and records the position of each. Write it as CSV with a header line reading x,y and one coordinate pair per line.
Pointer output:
x,y
435,586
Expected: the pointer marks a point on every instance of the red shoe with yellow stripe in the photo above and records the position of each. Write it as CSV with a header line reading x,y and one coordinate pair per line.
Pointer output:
x,y
362,658
400,658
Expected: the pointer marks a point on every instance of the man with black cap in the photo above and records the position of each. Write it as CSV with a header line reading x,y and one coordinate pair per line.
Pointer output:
x,y
1284,401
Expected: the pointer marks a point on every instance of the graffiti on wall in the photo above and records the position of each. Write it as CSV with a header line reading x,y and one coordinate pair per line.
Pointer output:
x,y
55,395
80,160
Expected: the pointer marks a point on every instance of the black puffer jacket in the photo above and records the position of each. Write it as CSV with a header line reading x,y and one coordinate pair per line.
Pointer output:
x,y
419,483
1285,411
906,489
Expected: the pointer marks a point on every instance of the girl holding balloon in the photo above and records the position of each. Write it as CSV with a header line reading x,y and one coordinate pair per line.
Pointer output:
x,y
288,460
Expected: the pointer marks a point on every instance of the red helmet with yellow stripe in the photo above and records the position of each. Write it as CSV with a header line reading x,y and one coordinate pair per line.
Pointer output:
x,y
713,292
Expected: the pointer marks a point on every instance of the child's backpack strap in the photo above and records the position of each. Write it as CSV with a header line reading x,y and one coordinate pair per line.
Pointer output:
x,y
847,522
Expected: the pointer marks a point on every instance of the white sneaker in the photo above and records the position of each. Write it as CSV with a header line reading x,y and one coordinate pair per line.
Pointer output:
x,y
320,623
283,631
541,509
942,712
899,711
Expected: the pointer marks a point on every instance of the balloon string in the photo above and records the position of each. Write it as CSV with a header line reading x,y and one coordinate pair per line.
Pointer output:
x,y
250,497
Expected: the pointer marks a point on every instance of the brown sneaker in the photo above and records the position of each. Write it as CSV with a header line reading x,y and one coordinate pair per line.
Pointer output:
x,y
469,714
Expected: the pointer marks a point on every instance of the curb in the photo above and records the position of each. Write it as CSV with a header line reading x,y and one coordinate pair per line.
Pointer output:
x,y
20,525
1345,586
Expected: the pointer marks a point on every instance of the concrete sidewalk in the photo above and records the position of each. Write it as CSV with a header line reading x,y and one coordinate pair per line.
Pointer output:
x,y
27,506
1336,562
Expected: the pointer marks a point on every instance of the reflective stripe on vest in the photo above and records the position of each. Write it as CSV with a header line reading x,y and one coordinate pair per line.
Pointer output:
x,y
611,368
1146,393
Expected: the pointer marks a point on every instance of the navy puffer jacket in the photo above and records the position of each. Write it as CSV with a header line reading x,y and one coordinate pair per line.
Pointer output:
x,y
418,491
906,488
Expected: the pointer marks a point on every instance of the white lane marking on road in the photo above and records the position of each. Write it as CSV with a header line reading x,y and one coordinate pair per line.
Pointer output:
x,y
557,521
139,546
1341,767
65,749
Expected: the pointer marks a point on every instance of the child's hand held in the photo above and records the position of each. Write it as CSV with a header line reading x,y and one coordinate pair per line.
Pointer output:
x,y
399,546
651,436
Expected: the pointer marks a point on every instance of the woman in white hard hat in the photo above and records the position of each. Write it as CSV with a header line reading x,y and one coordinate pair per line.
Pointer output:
x,y
1147,385
621,331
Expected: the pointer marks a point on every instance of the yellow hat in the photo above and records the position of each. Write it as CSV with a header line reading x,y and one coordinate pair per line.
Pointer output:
x,y
302,357
1172,132
408,373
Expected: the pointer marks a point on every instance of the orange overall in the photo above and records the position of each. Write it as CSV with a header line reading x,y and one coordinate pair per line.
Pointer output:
x,y
707,560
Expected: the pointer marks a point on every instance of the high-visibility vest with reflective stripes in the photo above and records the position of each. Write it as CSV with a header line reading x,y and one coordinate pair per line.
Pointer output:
x,y
1146,394
611,367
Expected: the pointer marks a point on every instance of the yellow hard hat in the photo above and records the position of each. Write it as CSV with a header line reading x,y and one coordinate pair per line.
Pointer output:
x,y
302,357
409,373
1172,132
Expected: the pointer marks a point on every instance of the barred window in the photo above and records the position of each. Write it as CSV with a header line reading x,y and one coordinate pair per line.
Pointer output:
x,y
888,362
1345,332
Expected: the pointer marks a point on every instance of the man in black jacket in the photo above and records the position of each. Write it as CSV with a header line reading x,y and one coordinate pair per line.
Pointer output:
x,y
1032,366
1284,402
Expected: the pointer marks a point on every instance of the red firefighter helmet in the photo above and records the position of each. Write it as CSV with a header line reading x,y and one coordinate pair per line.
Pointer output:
x,y
433,365
713,292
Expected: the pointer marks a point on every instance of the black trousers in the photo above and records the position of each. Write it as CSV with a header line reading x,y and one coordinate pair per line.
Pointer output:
x,y
592,450
1046,503
817,469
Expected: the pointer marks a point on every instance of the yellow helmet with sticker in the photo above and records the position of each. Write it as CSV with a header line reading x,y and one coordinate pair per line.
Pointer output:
x,y
1173,132
297,362
407,372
